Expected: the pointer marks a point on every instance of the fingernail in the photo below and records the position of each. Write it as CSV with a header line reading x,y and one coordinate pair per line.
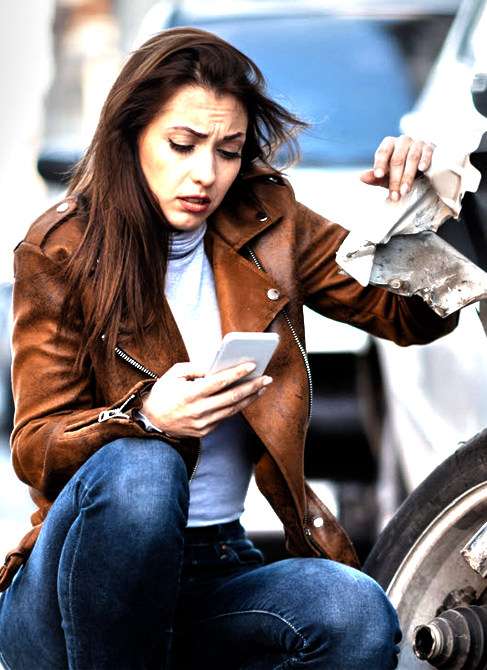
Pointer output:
x,y
394,196
404,189
422,167
378,174
249,367
267,381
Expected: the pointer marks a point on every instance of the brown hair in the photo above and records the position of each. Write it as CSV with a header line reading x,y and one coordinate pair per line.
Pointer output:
x,y
123,254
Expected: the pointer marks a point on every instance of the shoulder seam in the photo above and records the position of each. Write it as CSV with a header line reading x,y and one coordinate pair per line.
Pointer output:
x,y
50,220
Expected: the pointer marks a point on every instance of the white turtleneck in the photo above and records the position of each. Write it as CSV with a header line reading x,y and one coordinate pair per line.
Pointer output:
x,y
219,487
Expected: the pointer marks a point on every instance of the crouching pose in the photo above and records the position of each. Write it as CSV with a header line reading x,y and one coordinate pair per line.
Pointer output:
x,y
176,230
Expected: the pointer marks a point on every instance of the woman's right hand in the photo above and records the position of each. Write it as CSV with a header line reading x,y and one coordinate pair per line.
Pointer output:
x,y
186,403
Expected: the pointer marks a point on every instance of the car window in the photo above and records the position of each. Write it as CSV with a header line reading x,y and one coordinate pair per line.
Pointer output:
x,y
352,78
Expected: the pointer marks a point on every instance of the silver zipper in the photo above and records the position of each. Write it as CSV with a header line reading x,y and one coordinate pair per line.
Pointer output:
x,y
304,354
141,368
116,413
295,336
198,458
128,359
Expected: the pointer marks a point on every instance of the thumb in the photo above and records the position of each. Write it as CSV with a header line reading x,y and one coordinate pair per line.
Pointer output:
x,y
187,371
368,177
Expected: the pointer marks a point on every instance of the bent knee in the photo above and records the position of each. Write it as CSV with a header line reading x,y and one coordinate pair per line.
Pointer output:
x,y
366,617
138,477
346,598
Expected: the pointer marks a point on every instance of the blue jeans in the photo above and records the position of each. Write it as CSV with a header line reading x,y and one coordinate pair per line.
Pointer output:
x,y
117,582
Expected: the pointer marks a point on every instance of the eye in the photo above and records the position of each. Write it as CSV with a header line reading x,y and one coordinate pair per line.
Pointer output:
x,y
230,155
181,148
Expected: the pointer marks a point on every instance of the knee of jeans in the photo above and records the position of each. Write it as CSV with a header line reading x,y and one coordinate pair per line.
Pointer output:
x,y
354,607
141,479
369,617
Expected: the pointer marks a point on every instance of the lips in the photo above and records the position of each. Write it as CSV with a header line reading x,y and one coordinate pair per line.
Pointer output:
x,y
196,204
197,199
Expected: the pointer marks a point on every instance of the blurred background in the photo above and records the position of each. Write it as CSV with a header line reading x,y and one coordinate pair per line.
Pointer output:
x,y
355,69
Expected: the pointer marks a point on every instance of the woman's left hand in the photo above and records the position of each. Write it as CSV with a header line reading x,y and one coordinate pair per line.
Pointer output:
x,y
397,162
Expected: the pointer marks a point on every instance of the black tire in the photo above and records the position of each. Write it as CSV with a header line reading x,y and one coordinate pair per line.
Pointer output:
x,y
417,556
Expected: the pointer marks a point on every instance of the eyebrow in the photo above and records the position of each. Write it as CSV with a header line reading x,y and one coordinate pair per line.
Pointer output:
x,y
203,136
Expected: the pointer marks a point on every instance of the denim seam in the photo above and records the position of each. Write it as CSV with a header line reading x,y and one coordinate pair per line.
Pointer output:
x,y
70,578
272,614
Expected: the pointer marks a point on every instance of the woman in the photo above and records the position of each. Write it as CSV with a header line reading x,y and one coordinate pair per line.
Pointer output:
x,y
176,231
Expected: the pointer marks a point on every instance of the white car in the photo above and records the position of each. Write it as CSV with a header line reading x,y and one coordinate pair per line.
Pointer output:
x,y
438,393
430,558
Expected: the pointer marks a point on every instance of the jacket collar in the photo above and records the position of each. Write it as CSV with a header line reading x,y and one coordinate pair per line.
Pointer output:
x,y
239,219
243,289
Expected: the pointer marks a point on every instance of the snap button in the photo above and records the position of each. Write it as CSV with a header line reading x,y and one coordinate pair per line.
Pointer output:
x,y
262,216
273,294
318,522
62,207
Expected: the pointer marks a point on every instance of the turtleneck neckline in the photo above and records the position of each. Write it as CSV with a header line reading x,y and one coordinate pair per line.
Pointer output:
x,y
183,242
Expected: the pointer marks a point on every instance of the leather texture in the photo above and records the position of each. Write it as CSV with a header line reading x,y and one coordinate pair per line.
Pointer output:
x,y
56,420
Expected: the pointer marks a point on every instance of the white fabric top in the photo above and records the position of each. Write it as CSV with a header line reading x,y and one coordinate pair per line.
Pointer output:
x,y
220,484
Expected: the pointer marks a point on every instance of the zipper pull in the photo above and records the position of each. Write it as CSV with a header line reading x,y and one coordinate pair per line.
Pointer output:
x,y
116,412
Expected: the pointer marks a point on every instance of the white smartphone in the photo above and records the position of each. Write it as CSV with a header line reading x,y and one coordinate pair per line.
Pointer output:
x,y
239,348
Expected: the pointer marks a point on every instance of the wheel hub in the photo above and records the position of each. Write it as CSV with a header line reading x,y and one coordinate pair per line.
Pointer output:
x,y
455,640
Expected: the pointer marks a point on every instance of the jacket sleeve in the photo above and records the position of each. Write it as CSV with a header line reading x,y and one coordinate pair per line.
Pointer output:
x,y
404,320
57,425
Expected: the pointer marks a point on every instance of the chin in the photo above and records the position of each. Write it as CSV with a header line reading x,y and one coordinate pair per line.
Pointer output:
x,y
187,225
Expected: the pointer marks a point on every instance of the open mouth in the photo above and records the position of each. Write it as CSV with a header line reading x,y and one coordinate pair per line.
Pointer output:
x,y
194,204
197,201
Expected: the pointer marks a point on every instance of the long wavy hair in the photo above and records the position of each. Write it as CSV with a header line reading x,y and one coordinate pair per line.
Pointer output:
x,y
122,258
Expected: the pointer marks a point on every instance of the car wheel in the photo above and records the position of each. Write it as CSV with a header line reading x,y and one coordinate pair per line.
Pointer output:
x,y
417,557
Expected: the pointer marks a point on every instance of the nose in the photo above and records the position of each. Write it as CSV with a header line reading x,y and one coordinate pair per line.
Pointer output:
x,y
204,168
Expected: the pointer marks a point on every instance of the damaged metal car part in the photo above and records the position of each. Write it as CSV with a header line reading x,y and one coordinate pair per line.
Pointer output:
x,y
428,266
475,552
400,249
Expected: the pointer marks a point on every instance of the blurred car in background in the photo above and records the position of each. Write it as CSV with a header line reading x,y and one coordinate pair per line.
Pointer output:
x,y
437,394
352,70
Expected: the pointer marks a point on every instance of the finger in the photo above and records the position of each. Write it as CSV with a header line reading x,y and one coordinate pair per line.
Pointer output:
x,y
219,380
205,414
418,159
186,371
237,394
230,397
382,157
227,402
368,177
398,164
426,156
207,424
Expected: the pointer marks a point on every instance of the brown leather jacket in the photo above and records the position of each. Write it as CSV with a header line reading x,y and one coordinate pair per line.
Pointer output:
x,y
61,419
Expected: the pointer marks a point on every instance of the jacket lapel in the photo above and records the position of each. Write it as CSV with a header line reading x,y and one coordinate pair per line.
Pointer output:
x,y
248,298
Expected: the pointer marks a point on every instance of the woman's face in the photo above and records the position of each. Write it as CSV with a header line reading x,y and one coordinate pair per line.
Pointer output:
x,y
191,153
